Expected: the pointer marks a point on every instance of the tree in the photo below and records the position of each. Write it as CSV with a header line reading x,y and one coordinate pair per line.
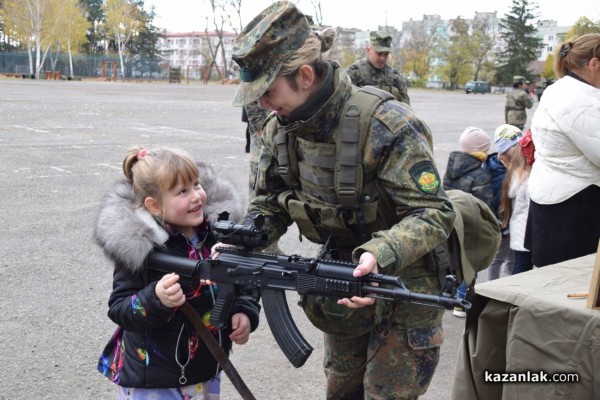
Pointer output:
x,y
548,70
457,55
95,15
9,38
144,44
419,48
68,32
220,17
518,32
318,19
75,30
582,26
123,20
36,24
482,42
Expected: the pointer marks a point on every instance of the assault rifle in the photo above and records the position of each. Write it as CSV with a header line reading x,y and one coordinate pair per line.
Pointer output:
x,y
239,268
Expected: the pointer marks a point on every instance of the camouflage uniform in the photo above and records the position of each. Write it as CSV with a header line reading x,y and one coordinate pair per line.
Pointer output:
x,y
398,156
516,103
363,73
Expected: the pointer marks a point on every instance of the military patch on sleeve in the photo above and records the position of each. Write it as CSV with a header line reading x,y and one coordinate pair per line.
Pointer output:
x,y
426,177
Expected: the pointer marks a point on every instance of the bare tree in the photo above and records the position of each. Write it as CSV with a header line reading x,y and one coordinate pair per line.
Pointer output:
x,y
318,17
482,42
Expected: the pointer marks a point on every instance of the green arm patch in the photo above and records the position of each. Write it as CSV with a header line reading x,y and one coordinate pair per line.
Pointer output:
x,y
426,177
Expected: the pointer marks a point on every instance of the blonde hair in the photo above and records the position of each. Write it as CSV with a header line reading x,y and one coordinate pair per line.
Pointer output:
x,y
153,172
573,55
518,169
310,53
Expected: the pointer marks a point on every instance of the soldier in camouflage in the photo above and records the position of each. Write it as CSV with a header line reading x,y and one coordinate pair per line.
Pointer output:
x,y
389,351
373,70
516,103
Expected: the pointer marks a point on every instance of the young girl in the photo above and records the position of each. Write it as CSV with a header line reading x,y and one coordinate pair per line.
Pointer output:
x,y
514,202
155,351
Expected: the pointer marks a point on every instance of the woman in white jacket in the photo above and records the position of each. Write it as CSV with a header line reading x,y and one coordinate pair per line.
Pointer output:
x,y
564,185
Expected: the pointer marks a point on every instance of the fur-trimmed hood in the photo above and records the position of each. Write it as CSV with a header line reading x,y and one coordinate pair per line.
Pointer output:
x,y
127,234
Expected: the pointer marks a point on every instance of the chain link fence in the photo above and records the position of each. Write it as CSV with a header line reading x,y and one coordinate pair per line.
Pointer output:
x,y
16,64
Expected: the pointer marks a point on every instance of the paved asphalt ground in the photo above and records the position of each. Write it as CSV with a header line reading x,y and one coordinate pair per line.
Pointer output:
x,y
61,147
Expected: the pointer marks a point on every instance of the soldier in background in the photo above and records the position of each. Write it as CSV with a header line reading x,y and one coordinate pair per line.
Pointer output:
x,y
516,102
373,70
254,116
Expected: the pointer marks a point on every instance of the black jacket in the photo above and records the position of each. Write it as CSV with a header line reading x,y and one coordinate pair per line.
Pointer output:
x,y
142,352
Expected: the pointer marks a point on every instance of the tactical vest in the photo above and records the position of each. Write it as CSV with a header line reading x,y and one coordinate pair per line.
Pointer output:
x,y
330,196
386,84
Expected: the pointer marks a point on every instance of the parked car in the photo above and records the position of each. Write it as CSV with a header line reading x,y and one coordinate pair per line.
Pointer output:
x,y
478,87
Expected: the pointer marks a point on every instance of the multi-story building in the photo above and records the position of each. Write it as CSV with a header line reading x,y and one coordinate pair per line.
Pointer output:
x,y
193,52
552,35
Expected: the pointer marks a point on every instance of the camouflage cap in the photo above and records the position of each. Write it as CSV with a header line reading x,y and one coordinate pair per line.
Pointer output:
x,y
518,79
264,45
381,42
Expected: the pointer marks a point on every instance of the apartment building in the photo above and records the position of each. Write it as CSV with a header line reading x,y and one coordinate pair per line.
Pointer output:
x,y
194,51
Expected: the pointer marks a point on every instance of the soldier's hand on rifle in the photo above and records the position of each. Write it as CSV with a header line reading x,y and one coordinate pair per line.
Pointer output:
x,y
367,264
169,292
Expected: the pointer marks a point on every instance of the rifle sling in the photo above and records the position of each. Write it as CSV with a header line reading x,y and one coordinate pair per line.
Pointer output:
x,y
217,352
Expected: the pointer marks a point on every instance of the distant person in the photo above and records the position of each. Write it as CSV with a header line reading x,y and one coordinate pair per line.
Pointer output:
x,y
517,102
564,186
155,351
466,171
514,203
373,70
254,116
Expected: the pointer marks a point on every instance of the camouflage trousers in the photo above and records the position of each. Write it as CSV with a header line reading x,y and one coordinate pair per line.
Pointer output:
x,y
402,365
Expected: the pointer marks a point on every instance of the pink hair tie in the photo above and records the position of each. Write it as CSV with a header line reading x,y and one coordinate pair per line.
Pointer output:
x,y
142,153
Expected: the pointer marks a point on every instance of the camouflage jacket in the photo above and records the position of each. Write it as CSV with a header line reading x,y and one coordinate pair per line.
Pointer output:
x,y
397,153
363,73
514,110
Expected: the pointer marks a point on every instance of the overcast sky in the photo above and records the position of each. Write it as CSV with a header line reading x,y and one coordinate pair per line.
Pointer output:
x,y
188,15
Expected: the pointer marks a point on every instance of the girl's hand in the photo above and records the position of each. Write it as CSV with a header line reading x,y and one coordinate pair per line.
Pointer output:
x,y
169,292
367,264
240,325
214,254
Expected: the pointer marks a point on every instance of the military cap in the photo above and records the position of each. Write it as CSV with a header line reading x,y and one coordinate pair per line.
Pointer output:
x,y
518,79
381,42
260,50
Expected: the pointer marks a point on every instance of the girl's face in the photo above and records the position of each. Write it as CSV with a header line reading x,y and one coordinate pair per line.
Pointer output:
x,y
183,207
507,156
282,98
